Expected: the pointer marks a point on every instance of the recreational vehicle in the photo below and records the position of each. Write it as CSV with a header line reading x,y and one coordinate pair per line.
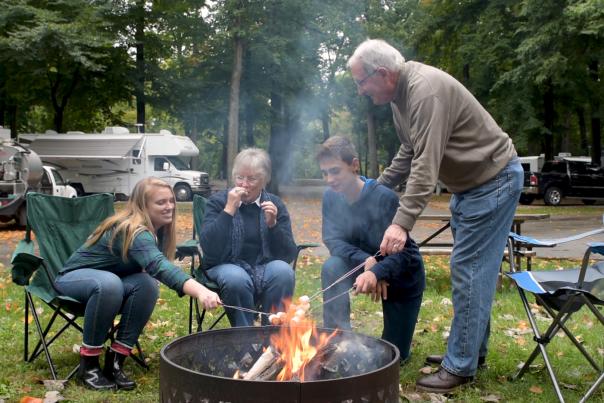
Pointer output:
x,y
115,160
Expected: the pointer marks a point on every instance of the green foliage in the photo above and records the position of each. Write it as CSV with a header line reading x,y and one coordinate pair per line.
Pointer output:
x,y
70,64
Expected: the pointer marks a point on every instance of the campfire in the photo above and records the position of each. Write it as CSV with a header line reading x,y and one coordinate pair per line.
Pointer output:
x,y
292,362
294,348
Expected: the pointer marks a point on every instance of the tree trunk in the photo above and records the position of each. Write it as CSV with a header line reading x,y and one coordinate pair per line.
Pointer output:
x,y
12,120
233,134
372,169
584,144
59,105
548,117
194,136
277,131
325,122
139,85
596,122
250,121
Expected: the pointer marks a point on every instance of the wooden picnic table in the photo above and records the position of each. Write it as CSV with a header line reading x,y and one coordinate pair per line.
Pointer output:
x,y
519,219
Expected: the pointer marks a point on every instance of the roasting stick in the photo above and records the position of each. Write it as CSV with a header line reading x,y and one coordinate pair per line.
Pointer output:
x,y
240,308
345,276
315,295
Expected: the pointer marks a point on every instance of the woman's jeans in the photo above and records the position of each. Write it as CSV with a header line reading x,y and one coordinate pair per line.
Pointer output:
x,y
237,289
400,315
481,219
106,295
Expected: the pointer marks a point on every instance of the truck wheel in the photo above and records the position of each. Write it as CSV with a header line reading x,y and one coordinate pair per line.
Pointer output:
x,y
526,199
588,202
78,188
553,196
182,192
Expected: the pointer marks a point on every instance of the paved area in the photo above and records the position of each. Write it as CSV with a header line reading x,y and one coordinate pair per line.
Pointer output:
x,y
304,202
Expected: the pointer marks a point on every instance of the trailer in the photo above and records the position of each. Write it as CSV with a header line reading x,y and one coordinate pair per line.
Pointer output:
x,y
115,160
21,171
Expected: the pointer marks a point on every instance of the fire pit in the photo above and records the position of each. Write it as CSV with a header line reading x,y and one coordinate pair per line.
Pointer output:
x,y
200,368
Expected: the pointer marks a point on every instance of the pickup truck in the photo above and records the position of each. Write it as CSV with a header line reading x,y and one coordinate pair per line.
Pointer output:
x,y
572,177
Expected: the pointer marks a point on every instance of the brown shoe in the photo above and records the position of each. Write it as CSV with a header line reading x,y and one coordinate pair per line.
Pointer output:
x,y
441,382
438,359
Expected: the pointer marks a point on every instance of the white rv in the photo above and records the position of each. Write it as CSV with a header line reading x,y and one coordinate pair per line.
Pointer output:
x,y
115,160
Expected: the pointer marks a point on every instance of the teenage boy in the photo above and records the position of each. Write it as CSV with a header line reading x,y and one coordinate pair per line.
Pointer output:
x,y
356,212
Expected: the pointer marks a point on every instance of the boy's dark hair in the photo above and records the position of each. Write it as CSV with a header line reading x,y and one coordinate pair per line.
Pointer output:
x,y
337,147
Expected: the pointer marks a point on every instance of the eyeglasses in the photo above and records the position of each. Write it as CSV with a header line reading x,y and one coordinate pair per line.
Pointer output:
x,y
252,180
361,82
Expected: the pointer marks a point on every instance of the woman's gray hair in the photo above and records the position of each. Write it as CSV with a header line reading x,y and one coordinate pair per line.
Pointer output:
x,y
375,53
255,158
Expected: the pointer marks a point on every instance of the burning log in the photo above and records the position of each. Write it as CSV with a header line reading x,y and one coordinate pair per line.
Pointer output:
x,y
266,366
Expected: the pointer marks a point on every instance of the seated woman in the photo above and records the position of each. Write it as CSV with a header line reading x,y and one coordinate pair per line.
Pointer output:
x,y
116,272
247,241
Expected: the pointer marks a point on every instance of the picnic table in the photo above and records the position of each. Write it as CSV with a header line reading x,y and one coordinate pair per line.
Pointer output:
x,y
430,247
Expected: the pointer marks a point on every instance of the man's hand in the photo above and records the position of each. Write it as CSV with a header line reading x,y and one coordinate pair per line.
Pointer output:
x,y
270,213
394,240
234,200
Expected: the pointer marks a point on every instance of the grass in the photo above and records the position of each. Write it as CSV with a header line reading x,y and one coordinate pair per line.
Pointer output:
x,y
510,343
508,348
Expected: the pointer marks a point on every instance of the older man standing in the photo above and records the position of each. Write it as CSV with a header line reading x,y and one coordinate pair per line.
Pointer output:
x,y
446,134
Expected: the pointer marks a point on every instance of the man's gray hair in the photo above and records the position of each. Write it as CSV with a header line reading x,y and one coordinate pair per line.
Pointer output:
x,y
374,53
256,159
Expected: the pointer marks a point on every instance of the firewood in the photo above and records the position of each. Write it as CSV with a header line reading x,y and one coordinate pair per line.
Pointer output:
x,y
262,364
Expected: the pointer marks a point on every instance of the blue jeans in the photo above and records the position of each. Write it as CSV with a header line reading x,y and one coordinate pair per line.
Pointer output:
x,y
237,289
400,315
106,295
481,219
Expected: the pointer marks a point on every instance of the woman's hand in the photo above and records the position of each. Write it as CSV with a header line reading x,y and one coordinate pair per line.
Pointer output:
x,y
234,200
209,299
270,213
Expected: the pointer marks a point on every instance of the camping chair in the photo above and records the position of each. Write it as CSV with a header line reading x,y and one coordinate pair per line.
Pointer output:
x,y
561,293
60,225
192,249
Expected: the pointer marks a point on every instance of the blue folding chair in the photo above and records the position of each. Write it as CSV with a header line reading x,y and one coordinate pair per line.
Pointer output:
x,y
561,293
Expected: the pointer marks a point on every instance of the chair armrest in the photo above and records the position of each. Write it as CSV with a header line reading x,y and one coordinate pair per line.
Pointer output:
x,y
187,248
24,262
597,247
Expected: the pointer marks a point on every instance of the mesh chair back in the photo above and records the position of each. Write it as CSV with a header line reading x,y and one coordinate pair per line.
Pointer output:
x,y
61,225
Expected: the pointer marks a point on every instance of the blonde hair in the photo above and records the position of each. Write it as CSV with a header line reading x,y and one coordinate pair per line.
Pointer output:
x,y
135,218
256,159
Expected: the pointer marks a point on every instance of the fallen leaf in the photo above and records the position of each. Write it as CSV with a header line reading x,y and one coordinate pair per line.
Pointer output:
x,y
568,386
491,398
54,385
427,370
53,397
170,334
29,399
536,389
446,301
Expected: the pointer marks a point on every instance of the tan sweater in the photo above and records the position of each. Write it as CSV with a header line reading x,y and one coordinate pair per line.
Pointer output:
x,y
445,134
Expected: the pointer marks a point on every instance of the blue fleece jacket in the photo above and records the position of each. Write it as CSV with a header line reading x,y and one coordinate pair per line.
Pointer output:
x,y
354,232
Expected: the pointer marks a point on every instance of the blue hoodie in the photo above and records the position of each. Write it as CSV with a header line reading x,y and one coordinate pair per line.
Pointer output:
x,y
354,232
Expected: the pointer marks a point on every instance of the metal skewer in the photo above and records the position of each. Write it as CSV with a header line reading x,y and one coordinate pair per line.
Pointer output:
x,y
240,308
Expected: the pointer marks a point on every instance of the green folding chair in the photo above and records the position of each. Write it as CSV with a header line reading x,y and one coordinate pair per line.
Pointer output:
x,y
60,225
192,249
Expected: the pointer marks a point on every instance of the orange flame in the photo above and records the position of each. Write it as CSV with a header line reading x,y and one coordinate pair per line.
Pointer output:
x,y
297,342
